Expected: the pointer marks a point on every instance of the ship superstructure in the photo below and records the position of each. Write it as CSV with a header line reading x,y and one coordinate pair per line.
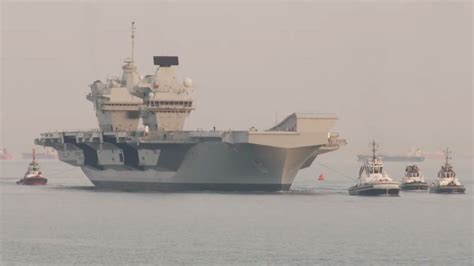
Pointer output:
x,y
158,99
165,157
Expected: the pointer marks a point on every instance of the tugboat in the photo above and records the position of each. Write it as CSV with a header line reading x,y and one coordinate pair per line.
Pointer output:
x,y
33,175
373,179
413,179
447,181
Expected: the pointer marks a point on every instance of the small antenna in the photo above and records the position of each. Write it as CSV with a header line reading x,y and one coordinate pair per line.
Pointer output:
x,y
132,29
447,156
374,149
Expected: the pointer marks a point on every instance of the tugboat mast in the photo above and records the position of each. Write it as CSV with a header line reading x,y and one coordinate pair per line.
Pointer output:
x,y
447,152
374,149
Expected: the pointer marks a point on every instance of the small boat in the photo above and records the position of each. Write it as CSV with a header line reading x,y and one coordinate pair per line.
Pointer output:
x,y
413,179
374,180
447,181
33,175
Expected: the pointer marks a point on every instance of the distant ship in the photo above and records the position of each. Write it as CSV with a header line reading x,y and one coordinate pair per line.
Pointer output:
x,y
49,154
5,155
415,155
437,155
163,156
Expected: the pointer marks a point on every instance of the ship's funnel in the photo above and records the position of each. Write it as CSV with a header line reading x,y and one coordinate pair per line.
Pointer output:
x,y
165,61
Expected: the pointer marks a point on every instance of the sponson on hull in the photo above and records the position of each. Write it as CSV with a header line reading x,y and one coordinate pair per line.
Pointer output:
x,y
163,156
447,182
373,179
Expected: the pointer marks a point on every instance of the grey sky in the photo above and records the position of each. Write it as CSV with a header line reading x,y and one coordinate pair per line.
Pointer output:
x,y
398,72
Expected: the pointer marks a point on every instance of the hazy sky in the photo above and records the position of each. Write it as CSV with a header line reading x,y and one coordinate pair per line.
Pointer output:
x,y
399,72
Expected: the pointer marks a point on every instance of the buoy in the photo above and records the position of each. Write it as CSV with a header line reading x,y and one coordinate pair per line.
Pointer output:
x,y
321,177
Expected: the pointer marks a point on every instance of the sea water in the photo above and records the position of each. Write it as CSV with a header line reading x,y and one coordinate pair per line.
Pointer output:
x,y
68,222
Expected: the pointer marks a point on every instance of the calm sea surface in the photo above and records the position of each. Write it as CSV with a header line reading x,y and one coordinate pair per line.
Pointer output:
x,y
69,223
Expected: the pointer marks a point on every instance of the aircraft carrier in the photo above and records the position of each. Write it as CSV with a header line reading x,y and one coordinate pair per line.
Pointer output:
x,y
163,156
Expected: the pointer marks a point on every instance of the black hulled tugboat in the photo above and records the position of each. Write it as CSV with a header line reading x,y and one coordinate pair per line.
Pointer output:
x,y
33,175
413,179
374,180
447,181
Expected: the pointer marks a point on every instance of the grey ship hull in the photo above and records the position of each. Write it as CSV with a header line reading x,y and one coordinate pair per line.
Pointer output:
x,y
176,187
209,166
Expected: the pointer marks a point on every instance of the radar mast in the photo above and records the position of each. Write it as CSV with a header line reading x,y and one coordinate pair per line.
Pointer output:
x,y
374,149
447,154
132,29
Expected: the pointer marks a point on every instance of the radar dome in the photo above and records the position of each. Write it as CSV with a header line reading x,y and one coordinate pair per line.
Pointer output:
x,y
188,82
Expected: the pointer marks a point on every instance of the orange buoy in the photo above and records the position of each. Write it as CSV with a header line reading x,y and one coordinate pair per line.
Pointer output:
x,y
321,177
